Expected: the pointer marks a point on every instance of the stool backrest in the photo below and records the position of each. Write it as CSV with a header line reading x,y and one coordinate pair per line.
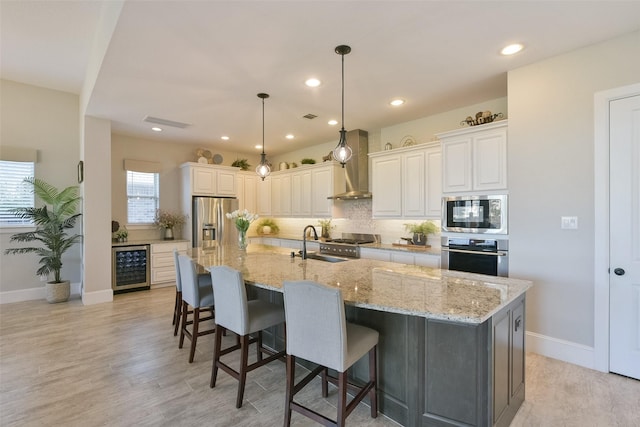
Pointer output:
x,y
230,296
189,279
178,278
316,323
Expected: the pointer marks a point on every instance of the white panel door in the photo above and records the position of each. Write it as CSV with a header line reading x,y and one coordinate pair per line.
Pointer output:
x,y
624,282
413,183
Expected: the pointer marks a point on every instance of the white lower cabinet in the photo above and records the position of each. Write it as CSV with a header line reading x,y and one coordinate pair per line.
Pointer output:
x,y
163,268
402,257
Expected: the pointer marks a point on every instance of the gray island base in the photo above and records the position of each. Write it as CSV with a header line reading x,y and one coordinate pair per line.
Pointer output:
x,y
451,349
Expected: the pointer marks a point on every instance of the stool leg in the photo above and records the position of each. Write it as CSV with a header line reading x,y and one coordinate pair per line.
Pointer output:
x,y
291,375
244,361
259,343
216,355
194,333
373,377
178,313
184,323
325,388
342,398
175,308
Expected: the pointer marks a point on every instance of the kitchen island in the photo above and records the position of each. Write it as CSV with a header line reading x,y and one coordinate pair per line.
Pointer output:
x,y
451,348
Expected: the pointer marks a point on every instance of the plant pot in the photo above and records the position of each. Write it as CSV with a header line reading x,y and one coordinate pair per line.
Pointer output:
x,y
266,229
419,239
58,292
168,234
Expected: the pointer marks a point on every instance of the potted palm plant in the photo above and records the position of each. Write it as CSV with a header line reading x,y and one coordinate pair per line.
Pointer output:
x,y
52,220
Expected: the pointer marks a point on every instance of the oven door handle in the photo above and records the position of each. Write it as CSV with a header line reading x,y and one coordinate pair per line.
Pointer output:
x,y
462,251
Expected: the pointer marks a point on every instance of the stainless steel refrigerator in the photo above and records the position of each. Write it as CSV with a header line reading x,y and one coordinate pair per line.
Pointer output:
x,y
210,225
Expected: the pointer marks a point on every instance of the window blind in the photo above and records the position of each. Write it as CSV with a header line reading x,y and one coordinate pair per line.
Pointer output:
x,y
142,197
14,192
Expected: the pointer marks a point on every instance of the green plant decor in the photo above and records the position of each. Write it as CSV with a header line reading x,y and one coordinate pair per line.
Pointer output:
x,y
52,222
243,164
268,222
308,161
326,227
426,228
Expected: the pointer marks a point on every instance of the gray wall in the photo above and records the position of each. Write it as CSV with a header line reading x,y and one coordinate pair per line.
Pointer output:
x,y
551,174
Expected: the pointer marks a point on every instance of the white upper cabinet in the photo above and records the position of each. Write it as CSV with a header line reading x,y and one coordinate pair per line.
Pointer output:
x,y
475,158
263,199
407,182
300,193
247,187
208,180
281,194
327,179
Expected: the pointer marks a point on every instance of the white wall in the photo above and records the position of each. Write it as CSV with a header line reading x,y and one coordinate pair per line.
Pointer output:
x,y
551,174
46,120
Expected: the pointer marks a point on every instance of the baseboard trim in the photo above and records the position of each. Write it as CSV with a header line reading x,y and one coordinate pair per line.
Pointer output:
x,y
98,297
31,294
567,351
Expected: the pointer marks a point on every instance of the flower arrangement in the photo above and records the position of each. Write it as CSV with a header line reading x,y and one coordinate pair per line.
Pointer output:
x,y
268,222
326,226
165,219
243,219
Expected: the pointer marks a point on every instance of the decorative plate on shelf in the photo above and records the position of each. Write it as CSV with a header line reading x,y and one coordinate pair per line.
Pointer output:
x,y
407,141
202,160
207,154
217,159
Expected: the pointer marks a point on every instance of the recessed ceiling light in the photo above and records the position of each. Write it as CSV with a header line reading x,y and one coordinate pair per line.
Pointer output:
x,y
156,129
396,102
333,122
290,136
511,49
224,137
313,82
259,147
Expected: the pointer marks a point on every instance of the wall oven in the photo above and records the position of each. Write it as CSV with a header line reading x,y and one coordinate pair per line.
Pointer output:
x,y
482,256
475,214
130,268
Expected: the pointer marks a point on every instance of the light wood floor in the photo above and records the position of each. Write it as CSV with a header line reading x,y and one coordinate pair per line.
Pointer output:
x,y
118,364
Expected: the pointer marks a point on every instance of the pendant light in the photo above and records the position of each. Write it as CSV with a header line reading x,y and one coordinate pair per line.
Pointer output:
x,y
342,152
263,170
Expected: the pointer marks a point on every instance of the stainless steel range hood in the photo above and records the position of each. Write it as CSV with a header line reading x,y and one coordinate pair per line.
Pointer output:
x,y
356,169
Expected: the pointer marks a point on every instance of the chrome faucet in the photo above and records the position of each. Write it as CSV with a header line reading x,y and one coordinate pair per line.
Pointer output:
x,y
303,253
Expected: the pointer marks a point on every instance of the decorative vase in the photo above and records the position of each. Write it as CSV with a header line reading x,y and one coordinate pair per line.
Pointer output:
x,y
419,239
325,232
58,292
168,234
242,239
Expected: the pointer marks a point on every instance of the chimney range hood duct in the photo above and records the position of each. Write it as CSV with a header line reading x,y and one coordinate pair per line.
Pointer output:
x,y
356,169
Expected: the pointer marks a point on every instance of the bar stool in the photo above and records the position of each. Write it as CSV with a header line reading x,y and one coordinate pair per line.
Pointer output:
x,y
197,296
235,313
204,280
317,331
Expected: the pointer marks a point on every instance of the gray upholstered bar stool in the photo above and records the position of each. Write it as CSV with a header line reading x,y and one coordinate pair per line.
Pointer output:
x,y
196,296
204,280
235,313
317,331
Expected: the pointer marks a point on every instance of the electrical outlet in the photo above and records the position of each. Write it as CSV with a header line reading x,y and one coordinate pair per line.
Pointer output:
x,y
569,223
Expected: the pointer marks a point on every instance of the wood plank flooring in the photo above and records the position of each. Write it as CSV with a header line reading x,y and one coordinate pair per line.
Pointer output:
x,y
118,364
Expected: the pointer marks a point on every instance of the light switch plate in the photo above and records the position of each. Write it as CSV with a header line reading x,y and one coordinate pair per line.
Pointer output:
x,y
569,223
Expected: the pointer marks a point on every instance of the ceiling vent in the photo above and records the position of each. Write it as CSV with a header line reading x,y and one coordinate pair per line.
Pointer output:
x,y
310,116
165,122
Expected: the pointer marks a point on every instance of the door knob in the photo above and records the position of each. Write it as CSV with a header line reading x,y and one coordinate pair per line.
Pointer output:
x,y
619,271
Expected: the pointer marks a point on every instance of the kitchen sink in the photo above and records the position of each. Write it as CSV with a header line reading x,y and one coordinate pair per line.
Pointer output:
x,y
326,258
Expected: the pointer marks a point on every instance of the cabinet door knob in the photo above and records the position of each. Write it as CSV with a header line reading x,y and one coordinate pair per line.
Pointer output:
x,y
619,271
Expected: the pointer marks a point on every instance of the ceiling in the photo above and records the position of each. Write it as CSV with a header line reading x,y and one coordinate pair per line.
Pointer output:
x,y
204,62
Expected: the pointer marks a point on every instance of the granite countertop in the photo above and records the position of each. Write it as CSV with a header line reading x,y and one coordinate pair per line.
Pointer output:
x,y
144,242
385,246
377,285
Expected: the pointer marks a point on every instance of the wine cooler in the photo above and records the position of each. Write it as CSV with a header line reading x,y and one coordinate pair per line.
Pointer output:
x,y
130,268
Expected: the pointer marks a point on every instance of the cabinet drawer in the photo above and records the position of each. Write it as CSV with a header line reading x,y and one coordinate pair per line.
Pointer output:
x,y
169,247
162,260
160,275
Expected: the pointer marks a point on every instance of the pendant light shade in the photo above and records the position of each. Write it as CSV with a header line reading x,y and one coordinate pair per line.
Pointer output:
x,y
342,152
263,170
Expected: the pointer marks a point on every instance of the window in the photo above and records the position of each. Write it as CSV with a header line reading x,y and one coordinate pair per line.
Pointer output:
x,y
142,197
14,193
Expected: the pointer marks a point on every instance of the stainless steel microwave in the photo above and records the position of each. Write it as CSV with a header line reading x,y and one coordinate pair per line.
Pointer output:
x,y
475,214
